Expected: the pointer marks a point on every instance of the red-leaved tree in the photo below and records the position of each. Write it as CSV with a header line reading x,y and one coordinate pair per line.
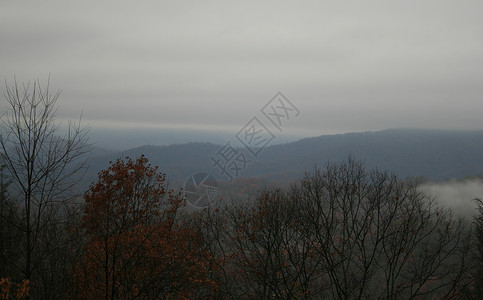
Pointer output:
x,y
137,246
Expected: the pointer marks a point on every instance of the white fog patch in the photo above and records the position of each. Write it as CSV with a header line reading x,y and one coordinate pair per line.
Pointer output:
x,y
457,194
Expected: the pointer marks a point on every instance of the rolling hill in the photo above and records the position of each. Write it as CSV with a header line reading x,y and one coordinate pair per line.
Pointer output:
x,y
434,154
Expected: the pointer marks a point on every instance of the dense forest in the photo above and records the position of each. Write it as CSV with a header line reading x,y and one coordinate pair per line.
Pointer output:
x,y
340,233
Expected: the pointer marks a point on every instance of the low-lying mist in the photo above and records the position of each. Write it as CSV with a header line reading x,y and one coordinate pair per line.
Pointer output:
x,y
456,194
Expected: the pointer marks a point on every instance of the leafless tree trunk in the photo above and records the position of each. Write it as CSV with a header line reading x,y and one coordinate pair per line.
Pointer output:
x,y
380,237
340,233
43,159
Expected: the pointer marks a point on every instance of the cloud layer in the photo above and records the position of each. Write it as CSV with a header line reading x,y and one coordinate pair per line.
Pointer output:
x,y
347,65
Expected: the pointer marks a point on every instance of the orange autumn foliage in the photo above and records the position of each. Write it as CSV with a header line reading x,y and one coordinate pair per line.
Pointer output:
x,y
137,246
21,292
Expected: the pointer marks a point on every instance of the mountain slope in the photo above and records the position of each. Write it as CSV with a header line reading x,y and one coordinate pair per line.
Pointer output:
x,y
436,154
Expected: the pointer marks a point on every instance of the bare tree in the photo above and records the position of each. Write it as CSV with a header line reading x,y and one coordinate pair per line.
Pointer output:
x,y
44,160
340,233
478,248
380,237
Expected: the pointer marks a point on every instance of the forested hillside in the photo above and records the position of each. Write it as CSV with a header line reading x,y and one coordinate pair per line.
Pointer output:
x,y
435,154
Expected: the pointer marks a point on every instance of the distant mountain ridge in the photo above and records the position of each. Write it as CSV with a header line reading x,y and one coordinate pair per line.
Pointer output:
x,y
435,154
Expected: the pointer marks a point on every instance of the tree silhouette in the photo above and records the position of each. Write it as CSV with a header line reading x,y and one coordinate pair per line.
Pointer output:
x,y
43,162
478,284
136,246
339,233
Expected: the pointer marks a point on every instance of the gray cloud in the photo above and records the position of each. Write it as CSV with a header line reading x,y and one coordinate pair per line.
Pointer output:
x,y
347,65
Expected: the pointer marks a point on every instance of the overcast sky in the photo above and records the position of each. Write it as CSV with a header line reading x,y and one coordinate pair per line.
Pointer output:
x,y
346,65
